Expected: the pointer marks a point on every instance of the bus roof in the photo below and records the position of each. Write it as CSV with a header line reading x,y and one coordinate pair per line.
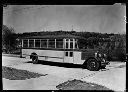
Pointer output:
x,y
54,37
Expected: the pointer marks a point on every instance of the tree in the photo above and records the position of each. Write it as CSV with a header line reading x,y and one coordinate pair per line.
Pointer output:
x,y
90,41
121,50
8,38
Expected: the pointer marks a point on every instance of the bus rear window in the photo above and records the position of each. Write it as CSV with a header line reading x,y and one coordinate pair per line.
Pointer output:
x,y
25,43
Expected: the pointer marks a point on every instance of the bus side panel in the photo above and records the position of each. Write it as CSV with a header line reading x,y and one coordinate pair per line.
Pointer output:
x,y
55,59
26,53
52,53
48,55
42,58
51,59
77,58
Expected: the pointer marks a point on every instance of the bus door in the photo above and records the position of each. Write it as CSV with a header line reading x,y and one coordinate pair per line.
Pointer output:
x,y
68,57
68,53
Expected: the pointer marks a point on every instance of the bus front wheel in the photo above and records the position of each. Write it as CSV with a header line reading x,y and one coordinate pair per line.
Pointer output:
x,y
35,60
93,65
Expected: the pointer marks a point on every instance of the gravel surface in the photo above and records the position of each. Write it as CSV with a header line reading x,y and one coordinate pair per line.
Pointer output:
x,y
80,85
15,74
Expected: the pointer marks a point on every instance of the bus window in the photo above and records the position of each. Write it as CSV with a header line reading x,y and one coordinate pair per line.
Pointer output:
x,y
59,43
75,45
37,43
71,40
71,54
51,43
44,43
66,54
31,43
25,43
71,44
66,45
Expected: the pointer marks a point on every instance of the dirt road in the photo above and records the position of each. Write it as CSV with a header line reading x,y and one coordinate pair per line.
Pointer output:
x,y
113,77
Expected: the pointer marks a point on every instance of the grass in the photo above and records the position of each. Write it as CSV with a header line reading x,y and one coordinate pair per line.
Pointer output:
x,y
16,74
80,85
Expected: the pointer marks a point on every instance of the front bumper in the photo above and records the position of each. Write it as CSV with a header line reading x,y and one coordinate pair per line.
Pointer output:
x,y
104,62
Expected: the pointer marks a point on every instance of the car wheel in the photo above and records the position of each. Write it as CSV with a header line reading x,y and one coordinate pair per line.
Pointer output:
x,y
93,65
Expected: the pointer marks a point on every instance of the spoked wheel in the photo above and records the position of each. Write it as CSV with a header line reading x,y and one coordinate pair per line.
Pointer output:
x,y
35,60
93,65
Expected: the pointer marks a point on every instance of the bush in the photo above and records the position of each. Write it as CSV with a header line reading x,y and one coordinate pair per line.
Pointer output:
x,y
8,38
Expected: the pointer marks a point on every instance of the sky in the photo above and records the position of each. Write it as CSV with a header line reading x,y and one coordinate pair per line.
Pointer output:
x,y
80,18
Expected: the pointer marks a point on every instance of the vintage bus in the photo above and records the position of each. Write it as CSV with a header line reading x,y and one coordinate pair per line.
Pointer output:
x,y
64,49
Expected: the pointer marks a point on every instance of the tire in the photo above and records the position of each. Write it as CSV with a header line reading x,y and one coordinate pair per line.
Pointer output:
x,y
93,65
35,60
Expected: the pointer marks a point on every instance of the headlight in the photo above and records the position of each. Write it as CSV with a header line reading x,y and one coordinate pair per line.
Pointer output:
x,y
105,55
99,55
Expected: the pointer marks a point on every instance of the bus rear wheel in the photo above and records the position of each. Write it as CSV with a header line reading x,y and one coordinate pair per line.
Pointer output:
x,y
93,65
35,60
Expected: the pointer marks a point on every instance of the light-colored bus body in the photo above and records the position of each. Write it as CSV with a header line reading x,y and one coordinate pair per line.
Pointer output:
x,y
63,55
55,56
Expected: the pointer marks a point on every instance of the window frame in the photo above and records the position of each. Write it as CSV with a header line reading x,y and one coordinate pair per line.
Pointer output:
x,y
45,40
36,44
59,44
51,45
33,43
26,44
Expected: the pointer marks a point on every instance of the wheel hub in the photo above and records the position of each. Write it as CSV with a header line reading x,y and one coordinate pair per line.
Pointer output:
x,y
93,64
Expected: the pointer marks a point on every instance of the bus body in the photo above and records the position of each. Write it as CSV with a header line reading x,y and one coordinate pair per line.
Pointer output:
x,y
60,48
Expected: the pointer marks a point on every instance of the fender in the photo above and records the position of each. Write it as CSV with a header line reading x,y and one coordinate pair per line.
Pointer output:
x,y
85,63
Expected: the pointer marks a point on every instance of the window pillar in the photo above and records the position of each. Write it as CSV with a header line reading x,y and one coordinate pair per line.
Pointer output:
x,y
73,43
55,43
47,43
40,43
34,43
22,42
68,43
28,42
64,43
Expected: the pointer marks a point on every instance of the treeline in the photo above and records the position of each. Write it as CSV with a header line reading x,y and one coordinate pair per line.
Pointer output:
x,y
9,37
83,34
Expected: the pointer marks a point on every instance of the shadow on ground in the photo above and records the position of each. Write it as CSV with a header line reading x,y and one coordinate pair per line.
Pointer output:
x,y
67,65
